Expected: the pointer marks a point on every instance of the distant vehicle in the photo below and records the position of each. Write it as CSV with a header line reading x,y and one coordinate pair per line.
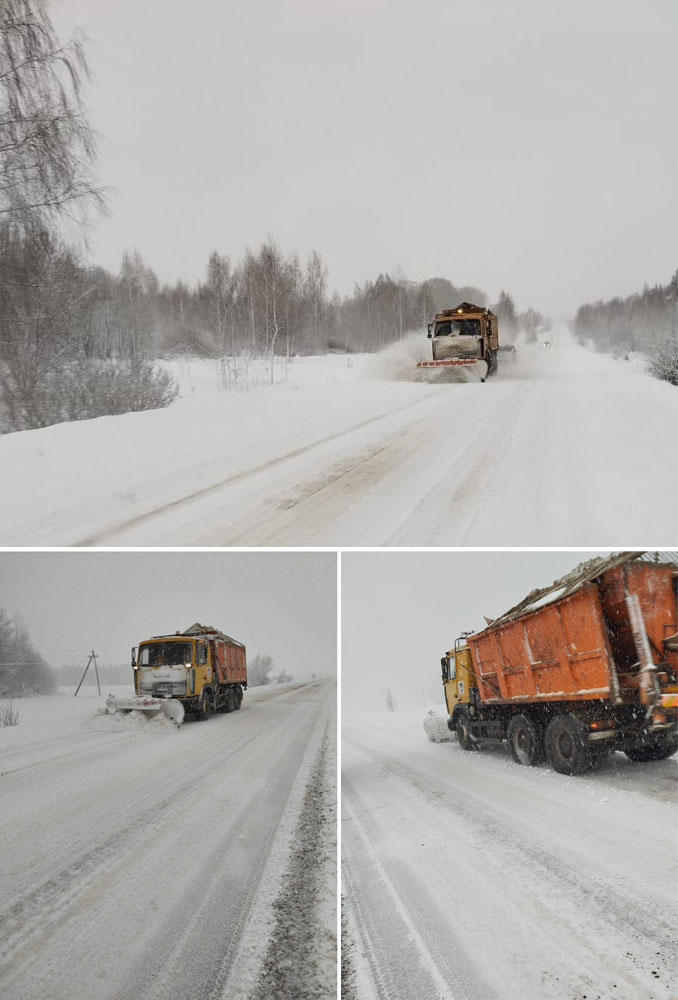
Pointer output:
x,y
465,335
587,665
547,343
200,671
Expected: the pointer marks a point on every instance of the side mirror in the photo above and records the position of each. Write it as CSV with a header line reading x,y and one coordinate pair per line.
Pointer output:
x,y
134,656
445,664
429,335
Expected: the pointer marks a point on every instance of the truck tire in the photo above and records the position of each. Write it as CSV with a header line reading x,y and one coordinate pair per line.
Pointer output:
x,y
238,698
525,741
566,747
463,726
205,706
658,751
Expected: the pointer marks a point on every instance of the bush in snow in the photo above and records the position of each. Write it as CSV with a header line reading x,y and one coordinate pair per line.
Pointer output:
x,y
87,388
259,669
663,362
8,715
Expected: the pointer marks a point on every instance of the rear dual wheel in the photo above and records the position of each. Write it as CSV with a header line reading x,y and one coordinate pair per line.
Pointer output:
x,y
566,746
525,740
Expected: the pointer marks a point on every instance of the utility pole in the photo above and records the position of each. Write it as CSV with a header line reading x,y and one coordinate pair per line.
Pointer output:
x,y
92,659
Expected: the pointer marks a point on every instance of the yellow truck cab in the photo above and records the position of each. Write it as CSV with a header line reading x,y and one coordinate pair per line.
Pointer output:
x,y
458,675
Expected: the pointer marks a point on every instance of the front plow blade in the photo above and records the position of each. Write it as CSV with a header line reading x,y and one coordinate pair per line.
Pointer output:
x,y
447,363
169,707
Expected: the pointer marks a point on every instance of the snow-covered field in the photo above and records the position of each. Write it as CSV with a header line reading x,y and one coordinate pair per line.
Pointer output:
x,y
467,877
565,447
143,861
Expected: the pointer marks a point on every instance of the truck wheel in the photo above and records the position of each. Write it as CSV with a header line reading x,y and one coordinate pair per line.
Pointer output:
x,y
659,751
464,731
525,741
566,748
228,704
238,699
205,709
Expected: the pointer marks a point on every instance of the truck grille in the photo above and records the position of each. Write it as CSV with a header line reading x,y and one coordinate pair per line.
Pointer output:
x,y
166,689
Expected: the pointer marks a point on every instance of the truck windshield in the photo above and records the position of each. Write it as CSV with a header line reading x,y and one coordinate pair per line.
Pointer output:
x,y
458,327
165,654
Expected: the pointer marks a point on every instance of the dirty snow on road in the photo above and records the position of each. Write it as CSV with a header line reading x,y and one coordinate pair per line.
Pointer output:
x,y
356,451
144,861
468,877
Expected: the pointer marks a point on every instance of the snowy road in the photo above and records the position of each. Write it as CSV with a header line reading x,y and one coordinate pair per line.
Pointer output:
x,y
467,877
566,447
147,864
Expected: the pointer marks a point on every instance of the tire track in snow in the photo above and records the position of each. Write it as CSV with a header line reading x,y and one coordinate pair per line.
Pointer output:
x,y
393,465
30,917
298,928
382,936
504,834
599,926
238,477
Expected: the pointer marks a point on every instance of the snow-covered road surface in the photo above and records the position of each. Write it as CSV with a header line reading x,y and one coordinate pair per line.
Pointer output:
x,y
150,864
468,877
566,447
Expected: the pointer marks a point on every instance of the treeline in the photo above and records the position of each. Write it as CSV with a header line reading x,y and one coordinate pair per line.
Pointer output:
x,y
646,322
78,341
23,671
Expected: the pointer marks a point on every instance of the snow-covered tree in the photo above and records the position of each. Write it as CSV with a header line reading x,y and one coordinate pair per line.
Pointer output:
x,y
259,669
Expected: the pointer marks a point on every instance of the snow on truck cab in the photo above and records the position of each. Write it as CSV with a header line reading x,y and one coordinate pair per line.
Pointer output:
x,y
465,335
200,671
585,666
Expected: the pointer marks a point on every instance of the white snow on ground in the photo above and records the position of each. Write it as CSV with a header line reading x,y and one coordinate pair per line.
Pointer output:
x,y
146,863
564,447
468,877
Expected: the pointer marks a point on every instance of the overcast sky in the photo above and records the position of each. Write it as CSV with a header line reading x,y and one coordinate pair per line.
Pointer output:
x,y
530,145
401,611
283,604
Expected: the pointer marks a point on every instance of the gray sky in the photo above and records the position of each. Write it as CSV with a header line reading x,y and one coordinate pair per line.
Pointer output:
x,y
279,603
529,145
402,610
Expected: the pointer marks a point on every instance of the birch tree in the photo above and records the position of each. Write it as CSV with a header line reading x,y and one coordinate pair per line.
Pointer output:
x,y
47,146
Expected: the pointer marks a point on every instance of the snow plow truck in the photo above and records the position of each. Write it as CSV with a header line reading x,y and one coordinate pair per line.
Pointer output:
x,y
465,335
198,671
585,666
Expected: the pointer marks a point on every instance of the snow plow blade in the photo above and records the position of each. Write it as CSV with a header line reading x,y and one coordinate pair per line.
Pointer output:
x,y
447,362
169,707
437,729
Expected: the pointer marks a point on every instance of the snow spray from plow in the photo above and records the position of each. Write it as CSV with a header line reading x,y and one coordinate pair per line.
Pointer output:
x,y
171,708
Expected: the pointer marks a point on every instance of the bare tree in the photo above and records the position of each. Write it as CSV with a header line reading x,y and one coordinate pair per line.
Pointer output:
x,y
316,292
259,669
22,670
391,703
47,146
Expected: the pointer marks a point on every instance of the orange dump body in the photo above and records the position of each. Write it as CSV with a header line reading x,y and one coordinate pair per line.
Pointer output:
x,y
655,587
229,660
579,647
